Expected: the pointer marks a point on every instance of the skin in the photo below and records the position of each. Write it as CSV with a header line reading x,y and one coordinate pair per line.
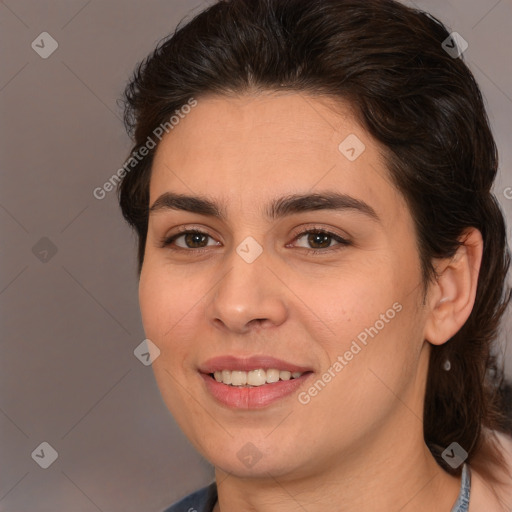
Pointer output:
x,y
359,442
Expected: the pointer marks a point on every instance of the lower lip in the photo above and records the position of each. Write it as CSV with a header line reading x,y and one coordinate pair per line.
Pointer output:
x,y
256,397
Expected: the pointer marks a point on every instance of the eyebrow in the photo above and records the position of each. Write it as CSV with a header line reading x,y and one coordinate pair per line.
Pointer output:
x,y
281,207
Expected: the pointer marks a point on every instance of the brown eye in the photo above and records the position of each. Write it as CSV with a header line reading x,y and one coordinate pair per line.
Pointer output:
x,y
193,239
319,239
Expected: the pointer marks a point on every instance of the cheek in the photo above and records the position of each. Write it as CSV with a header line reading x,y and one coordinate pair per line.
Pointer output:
x,y
172,310
350,300
167,311
164,303
371,362
368,316
152,302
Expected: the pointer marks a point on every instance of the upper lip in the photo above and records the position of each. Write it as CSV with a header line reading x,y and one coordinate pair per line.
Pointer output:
x,y
228,362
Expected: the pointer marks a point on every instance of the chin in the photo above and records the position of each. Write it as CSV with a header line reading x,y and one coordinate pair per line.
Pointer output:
x,y
252,459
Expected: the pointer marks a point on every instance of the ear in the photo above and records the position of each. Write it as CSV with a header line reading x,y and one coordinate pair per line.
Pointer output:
x,y
451,298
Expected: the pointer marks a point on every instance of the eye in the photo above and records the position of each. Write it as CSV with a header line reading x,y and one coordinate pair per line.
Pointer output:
x,y
320,240
192,238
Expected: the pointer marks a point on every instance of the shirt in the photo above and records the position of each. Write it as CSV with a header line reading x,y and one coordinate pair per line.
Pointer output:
x,y
204,499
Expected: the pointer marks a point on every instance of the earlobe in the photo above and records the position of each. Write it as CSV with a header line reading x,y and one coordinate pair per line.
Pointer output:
x,y
452,295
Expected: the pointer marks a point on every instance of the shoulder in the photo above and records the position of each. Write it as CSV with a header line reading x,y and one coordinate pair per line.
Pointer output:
x,y
494,496
202,500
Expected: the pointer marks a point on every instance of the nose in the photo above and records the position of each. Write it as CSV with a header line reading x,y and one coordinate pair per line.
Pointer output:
x,y
248,296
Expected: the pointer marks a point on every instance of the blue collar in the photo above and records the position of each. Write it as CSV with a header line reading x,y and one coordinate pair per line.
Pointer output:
x,y
462,503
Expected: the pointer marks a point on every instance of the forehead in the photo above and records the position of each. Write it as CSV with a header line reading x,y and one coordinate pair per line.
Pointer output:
x,y
244,150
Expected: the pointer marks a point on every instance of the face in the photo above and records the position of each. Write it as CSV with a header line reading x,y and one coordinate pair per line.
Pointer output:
x,y
271,277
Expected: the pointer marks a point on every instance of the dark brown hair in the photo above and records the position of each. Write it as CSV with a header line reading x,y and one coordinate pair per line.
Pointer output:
x,y
423,105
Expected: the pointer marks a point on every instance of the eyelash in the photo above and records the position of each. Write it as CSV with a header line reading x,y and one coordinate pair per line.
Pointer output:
x,y
166,242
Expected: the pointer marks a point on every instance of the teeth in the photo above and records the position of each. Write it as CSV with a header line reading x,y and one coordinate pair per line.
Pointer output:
x,y
254,377
238,378
272,375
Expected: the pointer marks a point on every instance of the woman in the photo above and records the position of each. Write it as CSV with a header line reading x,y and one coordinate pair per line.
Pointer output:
x,y
322,262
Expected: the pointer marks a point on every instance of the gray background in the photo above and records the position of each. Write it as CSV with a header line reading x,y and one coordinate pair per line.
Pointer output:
x,y
70,320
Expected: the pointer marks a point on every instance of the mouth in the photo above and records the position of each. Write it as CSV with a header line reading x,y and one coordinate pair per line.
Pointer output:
x,y
251,383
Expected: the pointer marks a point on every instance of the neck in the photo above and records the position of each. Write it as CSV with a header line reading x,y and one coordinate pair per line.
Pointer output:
x,y
403,477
